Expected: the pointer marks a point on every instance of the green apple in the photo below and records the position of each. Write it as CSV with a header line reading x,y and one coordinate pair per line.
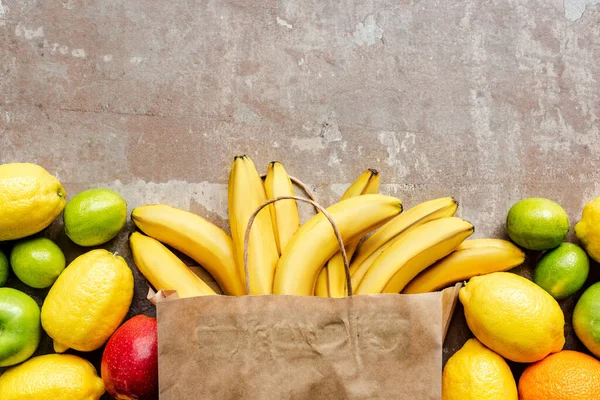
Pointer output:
x,y
20,328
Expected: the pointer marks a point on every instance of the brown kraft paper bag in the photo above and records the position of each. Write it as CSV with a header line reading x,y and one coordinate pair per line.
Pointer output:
x,y
279,347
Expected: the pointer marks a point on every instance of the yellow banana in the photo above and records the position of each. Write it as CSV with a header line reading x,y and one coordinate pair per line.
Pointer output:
x,y
407,257
395,230
163,269
196,237
335,272
471,258
315,243
284,213
245,194
322,285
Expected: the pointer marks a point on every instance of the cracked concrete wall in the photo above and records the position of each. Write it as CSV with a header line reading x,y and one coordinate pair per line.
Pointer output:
x,y
485,101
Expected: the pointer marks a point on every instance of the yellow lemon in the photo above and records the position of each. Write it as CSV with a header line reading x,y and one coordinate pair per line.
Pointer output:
x,y
476,373
52,377
513,316
587,229
88,301
31,199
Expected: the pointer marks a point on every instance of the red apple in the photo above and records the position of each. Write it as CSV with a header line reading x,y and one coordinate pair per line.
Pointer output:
x,y
130,360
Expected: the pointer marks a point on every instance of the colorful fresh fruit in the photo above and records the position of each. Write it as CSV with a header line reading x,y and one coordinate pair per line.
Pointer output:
x,y
562,271
471,258
163,269
88,301
284,213
95,216
513,316
245,194
31,199
334,272
315,242
476,373
408,257
130,360
4,269
587,230
537,223
37,262
52,377
567,375
196,237
395,230
586,319
20,329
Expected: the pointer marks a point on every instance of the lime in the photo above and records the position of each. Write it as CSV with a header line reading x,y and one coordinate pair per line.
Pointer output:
x,y
562,271
95,216
537,224
586,318
4,269
37,262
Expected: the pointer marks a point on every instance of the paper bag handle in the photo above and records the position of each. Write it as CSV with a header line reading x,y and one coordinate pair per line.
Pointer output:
x,y
319,208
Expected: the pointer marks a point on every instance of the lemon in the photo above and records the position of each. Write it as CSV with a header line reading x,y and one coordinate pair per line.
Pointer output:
x,y
587,230
52,377
95,216
88,301
562,271
537,224
31,199
4,269
513,316
586,319
475,373
37,262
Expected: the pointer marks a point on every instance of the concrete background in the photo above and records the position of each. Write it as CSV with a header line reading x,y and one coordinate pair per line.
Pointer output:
x,y
488,102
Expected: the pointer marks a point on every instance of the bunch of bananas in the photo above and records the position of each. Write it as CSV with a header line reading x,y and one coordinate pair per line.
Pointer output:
x,y
421,250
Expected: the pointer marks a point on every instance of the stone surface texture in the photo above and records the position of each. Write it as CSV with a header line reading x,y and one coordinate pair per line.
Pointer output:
x,y
488,102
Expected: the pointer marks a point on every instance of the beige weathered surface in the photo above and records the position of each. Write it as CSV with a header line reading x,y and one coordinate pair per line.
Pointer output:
x,y
486,101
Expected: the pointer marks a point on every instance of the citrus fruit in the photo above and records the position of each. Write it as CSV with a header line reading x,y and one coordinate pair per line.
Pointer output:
x,y
95,216
4,269
567,375
513,316
88,301
52,377
537,223
20,330
475,372
587,231
562,271
37,262
31,199
586,319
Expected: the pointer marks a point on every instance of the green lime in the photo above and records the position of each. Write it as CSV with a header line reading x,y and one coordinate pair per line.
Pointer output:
x,y
37,262
4,269
562,271
95,216
537,224
586,319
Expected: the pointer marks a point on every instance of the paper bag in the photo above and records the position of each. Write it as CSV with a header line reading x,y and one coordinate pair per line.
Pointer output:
x,y
291,347
386,346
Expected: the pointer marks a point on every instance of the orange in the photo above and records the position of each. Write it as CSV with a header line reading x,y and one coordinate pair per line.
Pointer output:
x,y
567,375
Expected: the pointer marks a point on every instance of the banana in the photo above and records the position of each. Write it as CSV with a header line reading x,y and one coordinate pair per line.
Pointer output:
x,y
335,272
322,285
407,257
396,229
284,213
471,258
245,194
315,242
196,237
163,269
